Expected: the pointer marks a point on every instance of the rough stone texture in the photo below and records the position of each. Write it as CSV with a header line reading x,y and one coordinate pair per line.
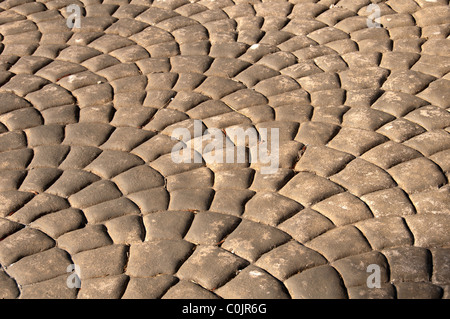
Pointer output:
x,y
87,177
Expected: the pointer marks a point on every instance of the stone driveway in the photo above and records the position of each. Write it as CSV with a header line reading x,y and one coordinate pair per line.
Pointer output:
x,y
359,91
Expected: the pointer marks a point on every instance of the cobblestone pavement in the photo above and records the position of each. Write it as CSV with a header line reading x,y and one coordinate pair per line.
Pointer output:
x,y
86,116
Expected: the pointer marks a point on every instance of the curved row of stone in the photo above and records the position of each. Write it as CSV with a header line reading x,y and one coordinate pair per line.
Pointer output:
x,y
115,132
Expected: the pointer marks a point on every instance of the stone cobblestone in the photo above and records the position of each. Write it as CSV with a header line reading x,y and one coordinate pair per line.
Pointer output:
x,y
86,174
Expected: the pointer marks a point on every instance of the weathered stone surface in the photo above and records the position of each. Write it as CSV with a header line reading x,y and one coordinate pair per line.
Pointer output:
x,y
316,283
322,160
418,290
343,209
211,266
91,117
158,257
210,228
95,193
125,229
434,225
354,269
100,262
432,202
313,188
381,203
38,206
417,175
148,288
23,243
231,201
254,283
288,259
361,177
386,291
109,287
188,290
60,222
55,288
408,264
242,241
339,243
87,238
270,208
306,225
170,225
9,289
39,267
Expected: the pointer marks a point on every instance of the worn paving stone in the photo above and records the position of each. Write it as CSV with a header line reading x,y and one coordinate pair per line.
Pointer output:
x,y
148,288
386,232
55,288
188,290
418,290
87,238
38,206
316,283
343,208
194,199
71,181
21,119
23,243
365,118
158,257
356,141
354,272
417,175
39,179
389,154
339,243
87,119
109,287
150,201
306,225
210,228
95,193
398,103
242,242
436,93
386,291
410,82
211,266
101,262
288,259
39,267
270,208
440,265
401,130
9,289
60,222
314,188
170,225
125,229
381,203
255,283
435,224
234,179
7,227
322,160
137,179
88,134
361,177
429,117
408,264
432,202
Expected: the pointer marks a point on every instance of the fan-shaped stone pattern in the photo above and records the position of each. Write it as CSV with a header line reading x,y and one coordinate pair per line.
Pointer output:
x,y
87,177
